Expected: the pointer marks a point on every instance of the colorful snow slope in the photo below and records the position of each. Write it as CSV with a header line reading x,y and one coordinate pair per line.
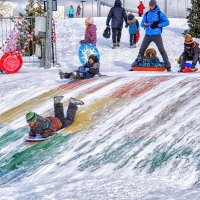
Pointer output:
x,y
136,137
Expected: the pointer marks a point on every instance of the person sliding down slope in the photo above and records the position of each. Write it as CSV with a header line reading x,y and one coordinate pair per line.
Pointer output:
x,y
191,52
89,70
48,126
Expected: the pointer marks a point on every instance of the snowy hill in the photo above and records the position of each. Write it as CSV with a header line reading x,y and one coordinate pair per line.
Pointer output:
x,y
136,137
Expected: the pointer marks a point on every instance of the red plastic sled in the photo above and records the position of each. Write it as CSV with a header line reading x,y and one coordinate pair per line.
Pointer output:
x,y
138,36
188,70
10,63
158,69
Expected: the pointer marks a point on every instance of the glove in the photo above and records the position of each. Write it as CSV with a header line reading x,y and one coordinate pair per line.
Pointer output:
x,y
126,25
155,25
81,67
193,66
82,42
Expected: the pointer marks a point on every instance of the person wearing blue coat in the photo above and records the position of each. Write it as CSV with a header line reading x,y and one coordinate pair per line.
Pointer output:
x,y
133,25
153,21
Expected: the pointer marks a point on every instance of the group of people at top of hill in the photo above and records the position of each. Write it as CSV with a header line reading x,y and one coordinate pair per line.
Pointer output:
x,y
153,22
71,12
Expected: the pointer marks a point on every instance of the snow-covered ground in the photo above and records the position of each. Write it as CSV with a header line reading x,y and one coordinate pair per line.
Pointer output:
x,y
136,137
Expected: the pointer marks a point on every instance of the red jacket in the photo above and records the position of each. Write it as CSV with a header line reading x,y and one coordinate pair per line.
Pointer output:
x,y
141,8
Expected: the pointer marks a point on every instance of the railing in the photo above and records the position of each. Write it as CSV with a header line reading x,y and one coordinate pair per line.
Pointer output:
x,y
17,36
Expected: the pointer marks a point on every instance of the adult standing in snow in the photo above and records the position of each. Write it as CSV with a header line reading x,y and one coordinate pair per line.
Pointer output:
x,y
78,11
118,16
141,8
71,12
153,21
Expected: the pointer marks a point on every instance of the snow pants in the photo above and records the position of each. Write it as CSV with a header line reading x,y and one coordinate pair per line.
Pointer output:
x,y
133,39
184,58
116,35
71,113
157,39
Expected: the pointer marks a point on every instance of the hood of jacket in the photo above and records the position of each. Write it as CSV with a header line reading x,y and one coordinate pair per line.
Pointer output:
x,y
131,17
118,3
156,9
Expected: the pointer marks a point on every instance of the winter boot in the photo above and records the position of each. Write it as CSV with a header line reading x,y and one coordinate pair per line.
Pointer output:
x,y
57,99
61,74
134,45
114,46
75,75
76,102
118,44
169,69
139,58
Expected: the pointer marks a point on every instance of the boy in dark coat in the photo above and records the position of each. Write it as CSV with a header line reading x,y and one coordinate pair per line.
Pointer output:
x,y
48,126
118,16
133,25
89,70
191,52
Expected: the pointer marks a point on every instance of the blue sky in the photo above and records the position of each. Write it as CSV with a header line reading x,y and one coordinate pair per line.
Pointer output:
x,y
20,5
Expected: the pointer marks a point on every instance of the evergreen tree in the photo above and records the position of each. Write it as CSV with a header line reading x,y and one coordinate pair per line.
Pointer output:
x,y
194,19
28,24
39,9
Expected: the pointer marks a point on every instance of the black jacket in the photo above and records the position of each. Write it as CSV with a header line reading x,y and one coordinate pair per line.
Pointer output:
x,y
117,14
93,69
193,53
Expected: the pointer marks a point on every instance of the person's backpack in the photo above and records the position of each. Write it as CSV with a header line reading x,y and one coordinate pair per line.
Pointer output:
x,y
158,18
107,33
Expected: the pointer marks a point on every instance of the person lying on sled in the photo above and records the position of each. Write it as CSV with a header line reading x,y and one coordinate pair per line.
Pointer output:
x,y
191,53
48,126
89,70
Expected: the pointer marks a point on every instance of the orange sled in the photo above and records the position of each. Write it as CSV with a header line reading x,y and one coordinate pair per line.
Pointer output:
x,y
157,69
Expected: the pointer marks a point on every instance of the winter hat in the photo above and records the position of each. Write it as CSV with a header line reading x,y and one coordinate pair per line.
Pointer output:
x,y
89,20
118,3
94,58
188,39
30,116
152,3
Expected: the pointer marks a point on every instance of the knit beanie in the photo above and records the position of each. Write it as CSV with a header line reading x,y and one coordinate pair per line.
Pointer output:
x,y
89,20
152,3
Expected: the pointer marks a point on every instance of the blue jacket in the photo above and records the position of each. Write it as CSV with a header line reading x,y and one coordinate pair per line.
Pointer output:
x,y
71,11
133,24
152,16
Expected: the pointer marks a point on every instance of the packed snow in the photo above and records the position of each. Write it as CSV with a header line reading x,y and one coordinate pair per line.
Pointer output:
x,y
140,139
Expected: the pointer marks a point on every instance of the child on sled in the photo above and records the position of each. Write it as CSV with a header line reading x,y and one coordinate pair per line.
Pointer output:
x,y
191,53
89,70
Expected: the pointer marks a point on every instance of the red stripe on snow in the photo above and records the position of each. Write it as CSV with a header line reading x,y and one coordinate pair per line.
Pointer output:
x,y
100,86
75,84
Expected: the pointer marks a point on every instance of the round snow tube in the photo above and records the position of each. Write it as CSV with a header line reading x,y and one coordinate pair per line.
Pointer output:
x,y
157,69
11,63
